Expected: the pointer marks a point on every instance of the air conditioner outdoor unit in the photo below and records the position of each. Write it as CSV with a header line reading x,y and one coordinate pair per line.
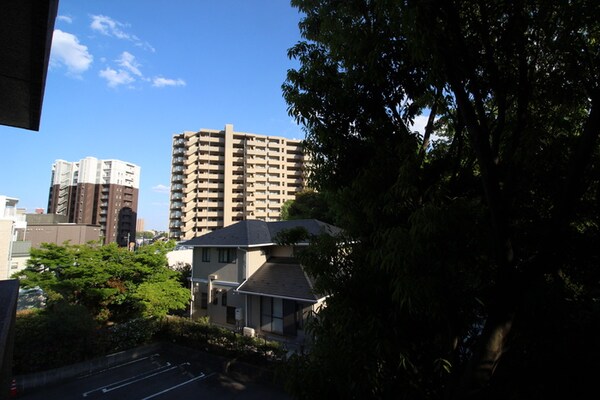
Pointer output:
x,y
248,331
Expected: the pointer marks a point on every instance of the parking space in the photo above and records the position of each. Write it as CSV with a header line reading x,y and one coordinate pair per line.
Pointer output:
x,y
157,376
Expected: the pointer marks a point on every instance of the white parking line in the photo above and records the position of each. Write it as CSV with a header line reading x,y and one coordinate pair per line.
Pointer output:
x,y
138,380
179,385
120,365
103,388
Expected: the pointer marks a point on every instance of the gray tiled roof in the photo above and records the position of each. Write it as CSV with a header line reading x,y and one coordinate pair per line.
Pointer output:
x,y
281,277
255,233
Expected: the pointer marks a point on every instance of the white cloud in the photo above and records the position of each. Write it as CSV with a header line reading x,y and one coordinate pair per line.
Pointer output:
x,y
110,27
116,78
67,51
65,18
127,61
161,189
162,82
420,124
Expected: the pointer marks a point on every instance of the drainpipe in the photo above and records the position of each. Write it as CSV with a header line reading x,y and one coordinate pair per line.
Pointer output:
x,y
211,278
192,302
244,277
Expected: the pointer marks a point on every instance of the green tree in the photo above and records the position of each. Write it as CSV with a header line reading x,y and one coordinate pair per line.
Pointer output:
x,y
111,282
469,268
144,235
307,204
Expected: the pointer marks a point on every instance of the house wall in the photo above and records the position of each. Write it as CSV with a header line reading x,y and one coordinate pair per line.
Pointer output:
x,y
255,258
281,251
224,271
219,313
229,276
6,238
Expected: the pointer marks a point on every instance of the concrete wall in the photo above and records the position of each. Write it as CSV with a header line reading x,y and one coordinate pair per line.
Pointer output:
x,y
60,233
180,256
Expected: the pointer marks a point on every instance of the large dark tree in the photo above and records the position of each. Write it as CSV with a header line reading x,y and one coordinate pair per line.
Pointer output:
x,y
470,268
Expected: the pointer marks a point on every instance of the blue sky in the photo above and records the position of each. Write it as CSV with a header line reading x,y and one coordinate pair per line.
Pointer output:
x,y
125,76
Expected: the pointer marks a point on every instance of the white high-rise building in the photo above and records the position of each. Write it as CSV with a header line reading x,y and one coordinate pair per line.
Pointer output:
x,y
100,192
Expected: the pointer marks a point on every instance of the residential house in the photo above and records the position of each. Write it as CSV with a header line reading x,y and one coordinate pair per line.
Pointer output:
x,y
243,279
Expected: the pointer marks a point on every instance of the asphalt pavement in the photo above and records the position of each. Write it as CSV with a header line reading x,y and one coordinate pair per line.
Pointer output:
x,y
159,376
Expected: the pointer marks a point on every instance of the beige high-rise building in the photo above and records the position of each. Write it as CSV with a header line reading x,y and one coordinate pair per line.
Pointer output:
x,y
219,177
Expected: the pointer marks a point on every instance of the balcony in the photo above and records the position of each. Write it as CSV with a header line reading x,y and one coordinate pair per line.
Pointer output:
x,y
177,178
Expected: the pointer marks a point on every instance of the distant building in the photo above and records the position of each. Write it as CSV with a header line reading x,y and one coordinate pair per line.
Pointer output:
x,y
220,177
97,192
14,250
140,225
53,228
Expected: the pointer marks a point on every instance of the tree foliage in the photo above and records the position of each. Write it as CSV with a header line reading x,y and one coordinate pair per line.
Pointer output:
x,y
471,262
113,283
308,204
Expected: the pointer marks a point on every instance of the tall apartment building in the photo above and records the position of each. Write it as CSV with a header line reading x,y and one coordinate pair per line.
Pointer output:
x,y
97,192
219,177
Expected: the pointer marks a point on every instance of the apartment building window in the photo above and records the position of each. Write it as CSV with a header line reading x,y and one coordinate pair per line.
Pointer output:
x,y
205,255
204,300
227,255
224,299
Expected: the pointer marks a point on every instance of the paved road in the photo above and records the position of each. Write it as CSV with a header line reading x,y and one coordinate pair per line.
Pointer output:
x,y
160,377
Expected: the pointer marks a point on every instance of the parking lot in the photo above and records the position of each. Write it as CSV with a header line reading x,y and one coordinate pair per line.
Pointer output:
x,y
158,376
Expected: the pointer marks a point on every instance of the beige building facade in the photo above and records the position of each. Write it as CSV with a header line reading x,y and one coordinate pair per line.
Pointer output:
x,y
219,177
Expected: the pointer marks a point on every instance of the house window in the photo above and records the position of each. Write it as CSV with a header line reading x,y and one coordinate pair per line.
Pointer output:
x,y
203,300
271,315
215,299
231,315
227,255
224,299
205,255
